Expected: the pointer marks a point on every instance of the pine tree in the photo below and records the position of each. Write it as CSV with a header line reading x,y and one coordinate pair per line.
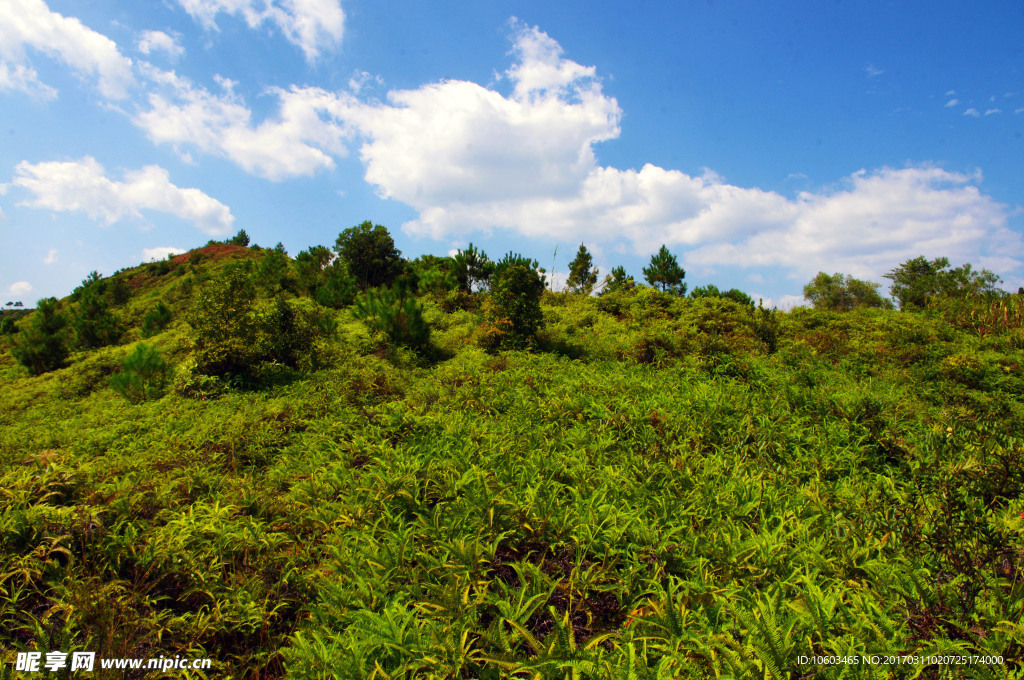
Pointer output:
x,y
41,346
582,273
665,273
618,280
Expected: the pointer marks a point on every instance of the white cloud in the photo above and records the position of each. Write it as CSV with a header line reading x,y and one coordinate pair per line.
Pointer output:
x,y
950,93
24,78
989,112
158,41
972,112
952,102
20,288
159,253
470,159
874,220
361,79
82,186
784,302
311,25
299,141
872,71
51,256
30,23
1020,110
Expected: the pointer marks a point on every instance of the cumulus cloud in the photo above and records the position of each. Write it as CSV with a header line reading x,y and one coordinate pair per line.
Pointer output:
x,y
51,256
82,186
469,159
158,41
20,288
159,253
989,112
871,221
299,141
951,103
972,112
30,23
310,25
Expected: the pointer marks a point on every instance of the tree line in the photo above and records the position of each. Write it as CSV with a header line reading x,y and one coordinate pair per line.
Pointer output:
x,y
365,271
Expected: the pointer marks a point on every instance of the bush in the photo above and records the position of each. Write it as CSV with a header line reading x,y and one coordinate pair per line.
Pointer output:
x,y
398,315
225,337
156,319
338,289
239,239
41,347
143,375
291,331
843,293
95,325
8,326
274,274
513,310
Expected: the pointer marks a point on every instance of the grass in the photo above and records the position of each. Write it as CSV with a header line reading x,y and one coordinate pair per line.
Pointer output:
x,y
651,492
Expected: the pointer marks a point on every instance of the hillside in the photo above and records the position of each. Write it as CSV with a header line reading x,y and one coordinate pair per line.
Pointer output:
x,y
651,486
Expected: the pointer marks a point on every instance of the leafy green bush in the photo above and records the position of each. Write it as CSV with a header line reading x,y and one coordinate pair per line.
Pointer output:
x,y
291,331
398,315
95,325
8,326
156,319
225,331
143,375
41,347
513,313
337,288
273,273
843,293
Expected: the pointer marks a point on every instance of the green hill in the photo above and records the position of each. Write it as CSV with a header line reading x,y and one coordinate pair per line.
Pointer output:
x,y
644,486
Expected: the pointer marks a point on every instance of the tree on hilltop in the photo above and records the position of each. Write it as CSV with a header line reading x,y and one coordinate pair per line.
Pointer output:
x,y
582,272
665,273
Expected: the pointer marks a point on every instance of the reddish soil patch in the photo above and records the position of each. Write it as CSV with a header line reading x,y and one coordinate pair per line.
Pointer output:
x,y
216,251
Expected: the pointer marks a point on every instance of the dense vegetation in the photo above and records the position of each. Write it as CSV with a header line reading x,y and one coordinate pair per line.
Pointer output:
x,y
312,468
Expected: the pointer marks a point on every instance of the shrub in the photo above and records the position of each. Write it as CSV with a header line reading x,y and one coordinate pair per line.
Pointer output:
x,y
156,319
41,347
843,293
766,328
916,280
225,332
291,331
310,266
239,239
338,289
8,326
274,274
513,311
397,315
143,375
95,325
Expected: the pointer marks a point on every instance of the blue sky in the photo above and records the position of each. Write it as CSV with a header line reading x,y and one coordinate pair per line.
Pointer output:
x,y
762,142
